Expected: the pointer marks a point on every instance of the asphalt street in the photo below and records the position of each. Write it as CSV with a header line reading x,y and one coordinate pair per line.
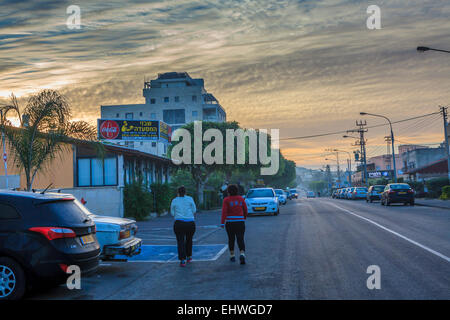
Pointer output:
x,y
315,249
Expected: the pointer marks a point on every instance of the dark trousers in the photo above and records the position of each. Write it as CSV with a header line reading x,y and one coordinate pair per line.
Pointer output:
x,y
235,230
184,231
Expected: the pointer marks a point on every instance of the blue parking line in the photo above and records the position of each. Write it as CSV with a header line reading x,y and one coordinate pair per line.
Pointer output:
x,y
169,253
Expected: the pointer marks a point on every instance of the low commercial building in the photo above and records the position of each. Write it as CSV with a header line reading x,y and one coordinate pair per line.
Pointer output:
x,y
96,181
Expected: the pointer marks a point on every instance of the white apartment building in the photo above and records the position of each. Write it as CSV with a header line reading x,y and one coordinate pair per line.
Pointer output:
x,y
176,99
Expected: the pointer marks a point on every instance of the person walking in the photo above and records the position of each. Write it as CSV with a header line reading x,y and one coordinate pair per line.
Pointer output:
x,y
183,209
234,213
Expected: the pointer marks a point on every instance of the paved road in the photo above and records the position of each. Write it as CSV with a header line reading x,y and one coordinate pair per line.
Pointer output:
x,y
315,249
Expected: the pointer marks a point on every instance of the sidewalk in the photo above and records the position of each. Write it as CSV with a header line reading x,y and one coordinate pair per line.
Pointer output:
x,y
436,203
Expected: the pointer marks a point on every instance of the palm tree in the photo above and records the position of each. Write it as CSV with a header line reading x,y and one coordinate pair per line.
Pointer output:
x,y
45,131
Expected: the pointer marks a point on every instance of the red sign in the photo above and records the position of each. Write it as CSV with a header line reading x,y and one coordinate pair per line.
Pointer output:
x,y
109,129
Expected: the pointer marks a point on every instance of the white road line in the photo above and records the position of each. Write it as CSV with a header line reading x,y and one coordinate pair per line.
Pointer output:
x,y
395,233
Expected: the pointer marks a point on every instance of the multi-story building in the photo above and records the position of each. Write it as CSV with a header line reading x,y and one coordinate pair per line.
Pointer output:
x,y
172,97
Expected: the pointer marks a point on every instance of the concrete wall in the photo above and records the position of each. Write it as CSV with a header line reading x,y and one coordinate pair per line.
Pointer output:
x,y
13,182
103,201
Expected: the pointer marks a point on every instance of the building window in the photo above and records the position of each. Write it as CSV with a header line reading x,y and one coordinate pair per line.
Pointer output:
x,y
174,116
152,101
96,172
140,114
129,115
117,115
153,144
152,116
177,99
194,114
194,98
166,99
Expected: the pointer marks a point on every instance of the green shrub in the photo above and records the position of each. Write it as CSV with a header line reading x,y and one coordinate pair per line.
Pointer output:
x,y
137,201
163,194
435,186
445,193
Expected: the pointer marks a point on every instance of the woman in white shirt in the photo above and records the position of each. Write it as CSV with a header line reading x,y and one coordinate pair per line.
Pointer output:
x,y
183,209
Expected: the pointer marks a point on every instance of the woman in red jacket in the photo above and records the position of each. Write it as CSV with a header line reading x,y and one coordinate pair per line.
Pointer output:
x,y
234,213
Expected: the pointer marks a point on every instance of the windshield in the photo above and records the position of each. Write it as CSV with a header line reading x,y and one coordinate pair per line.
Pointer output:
x,y
260,193
278,191
293,191
399,186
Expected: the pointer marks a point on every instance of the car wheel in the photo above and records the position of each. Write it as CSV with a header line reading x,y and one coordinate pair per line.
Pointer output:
x,y
277,213
411,203
12,280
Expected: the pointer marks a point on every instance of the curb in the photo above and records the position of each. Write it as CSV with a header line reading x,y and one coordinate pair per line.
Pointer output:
x,y
431,206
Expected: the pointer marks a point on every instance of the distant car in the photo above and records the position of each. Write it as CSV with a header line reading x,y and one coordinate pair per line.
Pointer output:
x,y
397,193
262,201
294,194
310,194
334,194
357,193
343,194
41,235
117,237
348,193
374,193
281,196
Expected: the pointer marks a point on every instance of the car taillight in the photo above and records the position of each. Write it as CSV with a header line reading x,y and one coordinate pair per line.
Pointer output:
x,y
52,233
391,192
410,191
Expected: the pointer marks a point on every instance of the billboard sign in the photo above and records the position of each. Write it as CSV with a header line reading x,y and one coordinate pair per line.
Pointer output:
x,y
379,174
133,130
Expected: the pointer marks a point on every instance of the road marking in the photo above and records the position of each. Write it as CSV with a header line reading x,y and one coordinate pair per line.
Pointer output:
x,y
394,233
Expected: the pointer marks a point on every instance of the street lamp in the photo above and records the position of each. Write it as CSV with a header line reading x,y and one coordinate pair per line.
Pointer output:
x,y
392,138
4,148
423,49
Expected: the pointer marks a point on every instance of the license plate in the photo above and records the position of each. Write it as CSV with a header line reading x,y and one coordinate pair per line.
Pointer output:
x,y
87,239
259,208
402,193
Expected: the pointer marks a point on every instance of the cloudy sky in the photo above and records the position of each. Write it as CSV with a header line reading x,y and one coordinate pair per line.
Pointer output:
x,y
305,67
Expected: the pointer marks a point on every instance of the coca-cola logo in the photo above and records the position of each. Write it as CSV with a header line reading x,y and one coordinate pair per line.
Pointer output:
x,y
109,129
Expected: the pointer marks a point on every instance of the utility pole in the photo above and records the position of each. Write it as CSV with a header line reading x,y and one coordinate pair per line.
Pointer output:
x,y
362,144
336,153
447,153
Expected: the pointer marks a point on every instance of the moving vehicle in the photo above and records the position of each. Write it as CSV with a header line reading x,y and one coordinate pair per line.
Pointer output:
x,y
374,193
397,193
41,235
281,196
357,193
310,194
262,201
293,193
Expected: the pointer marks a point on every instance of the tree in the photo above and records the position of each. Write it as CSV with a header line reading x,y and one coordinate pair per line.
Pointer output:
x,y
202,172
285,177
45,131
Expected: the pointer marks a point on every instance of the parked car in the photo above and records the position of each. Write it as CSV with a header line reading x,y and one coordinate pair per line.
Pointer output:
x,y
358,193
374,193
348,193
310,194
397,193
334,194
343,194
281,196
41,235
262,201
117,237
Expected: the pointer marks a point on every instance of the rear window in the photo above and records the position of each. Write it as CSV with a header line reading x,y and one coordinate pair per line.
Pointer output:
x,y
7,212
362,189
399,186
66,212
378,188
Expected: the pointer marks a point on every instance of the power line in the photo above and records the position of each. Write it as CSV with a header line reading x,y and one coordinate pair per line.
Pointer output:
x,y
368,127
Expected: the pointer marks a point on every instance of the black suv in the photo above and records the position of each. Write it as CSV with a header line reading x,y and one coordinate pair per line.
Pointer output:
x,y
41,235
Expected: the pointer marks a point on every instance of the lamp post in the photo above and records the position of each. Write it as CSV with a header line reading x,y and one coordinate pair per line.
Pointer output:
x,y
4,148
392,138
349,165
423,49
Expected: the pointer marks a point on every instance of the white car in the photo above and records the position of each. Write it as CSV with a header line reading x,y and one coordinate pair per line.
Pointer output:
x,y
282,198
262,201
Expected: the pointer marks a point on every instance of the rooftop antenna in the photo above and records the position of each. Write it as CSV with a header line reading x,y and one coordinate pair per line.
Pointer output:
x,y
47,188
